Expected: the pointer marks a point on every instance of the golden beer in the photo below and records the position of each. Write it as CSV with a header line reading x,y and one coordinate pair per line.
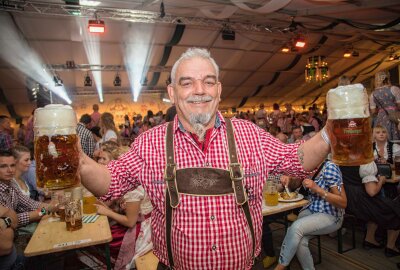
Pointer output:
x,y
271,199
56,169
56,150
88,204
351,141
349,125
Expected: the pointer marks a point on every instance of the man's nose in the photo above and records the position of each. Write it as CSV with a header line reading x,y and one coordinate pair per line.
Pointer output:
x,y
199,87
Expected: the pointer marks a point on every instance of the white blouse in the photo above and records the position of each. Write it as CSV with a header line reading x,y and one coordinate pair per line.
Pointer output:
x,y
139,195
396,151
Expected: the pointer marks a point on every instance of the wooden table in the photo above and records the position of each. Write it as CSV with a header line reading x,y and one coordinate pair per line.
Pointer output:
x,y
282,207
51,236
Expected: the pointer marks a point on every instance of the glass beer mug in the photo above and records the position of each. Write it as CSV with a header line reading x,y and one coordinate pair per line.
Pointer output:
x,y
73,215
56,151
349,125
271,194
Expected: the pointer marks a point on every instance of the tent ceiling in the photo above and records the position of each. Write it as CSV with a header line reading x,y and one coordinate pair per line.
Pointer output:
x,y
253,69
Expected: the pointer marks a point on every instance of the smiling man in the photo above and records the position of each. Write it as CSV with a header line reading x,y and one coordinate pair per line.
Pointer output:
x,y
203,173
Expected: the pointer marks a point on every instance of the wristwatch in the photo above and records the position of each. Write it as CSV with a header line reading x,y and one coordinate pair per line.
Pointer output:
x,y
7,221
42,212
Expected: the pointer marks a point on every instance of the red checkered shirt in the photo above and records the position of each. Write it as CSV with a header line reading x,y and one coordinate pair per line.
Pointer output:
x,y
207,232
12,198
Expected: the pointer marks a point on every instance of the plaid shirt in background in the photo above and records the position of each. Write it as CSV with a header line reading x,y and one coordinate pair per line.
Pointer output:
x,y
208,232
330,176
87,141
11,197
6,142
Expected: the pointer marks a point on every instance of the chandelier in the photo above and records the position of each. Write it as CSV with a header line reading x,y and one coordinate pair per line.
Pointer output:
x,y
316,69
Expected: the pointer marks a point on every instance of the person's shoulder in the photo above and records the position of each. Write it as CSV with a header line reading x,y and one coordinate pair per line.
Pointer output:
x,y
330,166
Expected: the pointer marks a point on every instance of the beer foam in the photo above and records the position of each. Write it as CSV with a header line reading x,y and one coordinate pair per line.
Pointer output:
x,y
348,101
55,119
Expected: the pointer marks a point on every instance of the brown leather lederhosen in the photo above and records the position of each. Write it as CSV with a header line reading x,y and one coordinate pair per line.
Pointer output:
x,y
203,182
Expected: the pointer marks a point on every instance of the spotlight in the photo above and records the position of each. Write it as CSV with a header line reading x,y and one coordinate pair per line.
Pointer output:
x,y
117,80
57,80
228,33
96,26
88,80
355,54
347,54
300,42
285,49
162,10
70,64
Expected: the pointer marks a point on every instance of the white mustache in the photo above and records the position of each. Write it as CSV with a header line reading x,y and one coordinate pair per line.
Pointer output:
x,y
199,99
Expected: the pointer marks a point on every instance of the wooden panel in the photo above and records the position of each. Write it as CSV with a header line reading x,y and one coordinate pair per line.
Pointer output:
x,y
51,236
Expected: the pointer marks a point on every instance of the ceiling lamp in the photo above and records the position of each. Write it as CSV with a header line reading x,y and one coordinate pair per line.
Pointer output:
x,y
87,81
227,33
57,80
96,25
347,54
300,42
316,69
285,49
117,80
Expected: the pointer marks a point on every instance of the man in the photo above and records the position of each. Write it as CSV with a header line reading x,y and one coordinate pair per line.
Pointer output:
x,y
11,197
87,141
261,117
95,116
6,142
202,222
8,224
297,134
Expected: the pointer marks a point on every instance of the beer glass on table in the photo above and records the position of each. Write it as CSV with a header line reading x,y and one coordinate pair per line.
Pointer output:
x,y
349,125
73,215
271,194
56,150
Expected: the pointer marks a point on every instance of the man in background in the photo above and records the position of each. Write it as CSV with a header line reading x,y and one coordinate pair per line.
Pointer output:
x,y
87,141
6,142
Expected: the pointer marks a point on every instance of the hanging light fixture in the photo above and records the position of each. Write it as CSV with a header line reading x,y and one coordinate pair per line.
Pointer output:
x,y
316,69
88,80
117,80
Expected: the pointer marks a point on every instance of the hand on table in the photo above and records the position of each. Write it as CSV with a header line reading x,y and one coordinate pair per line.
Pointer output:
x,y
102,209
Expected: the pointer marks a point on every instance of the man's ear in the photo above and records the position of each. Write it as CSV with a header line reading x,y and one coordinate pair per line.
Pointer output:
x,y
170,90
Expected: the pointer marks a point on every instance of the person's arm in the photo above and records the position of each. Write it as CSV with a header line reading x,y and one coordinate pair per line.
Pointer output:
x,y
127,220
333,196
313,152
7,234
95,177
373,188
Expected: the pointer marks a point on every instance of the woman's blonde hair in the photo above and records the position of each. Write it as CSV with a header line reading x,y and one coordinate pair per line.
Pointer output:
x,y
382,78
106,123
18,150
379,127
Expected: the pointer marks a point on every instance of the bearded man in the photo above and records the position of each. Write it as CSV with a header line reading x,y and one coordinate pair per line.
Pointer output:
x,y
203,173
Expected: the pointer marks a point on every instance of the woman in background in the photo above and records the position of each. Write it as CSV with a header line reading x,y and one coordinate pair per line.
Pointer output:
x,y
22,157
129,218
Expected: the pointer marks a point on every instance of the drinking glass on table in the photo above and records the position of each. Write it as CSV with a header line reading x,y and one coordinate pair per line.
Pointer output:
x,y
271,194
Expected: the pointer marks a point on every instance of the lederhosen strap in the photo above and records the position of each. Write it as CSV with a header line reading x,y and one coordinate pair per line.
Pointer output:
x,y
172,193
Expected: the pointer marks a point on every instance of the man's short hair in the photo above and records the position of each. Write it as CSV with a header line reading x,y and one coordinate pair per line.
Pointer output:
x,y
5,153
85,119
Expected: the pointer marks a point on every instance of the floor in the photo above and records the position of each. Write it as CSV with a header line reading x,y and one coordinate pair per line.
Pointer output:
x,y
359,258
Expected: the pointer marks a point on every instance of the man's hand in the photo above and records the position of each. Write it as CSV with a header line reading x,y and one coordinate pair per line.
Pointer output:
x,y
7,212
285,180
382,179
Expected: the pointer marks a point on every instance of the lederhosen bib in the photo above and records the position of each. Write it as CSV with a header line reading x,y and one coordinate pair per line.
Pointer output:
x,y
203,182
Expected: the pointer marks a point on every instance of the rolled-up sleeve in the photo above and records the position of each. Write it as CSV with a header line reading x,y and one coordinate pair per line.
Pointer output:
x,y
282,158
124,173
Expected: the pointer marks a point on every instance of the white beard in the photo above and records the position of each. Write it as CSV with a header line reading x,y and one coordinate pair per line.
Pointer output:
x,y
198,123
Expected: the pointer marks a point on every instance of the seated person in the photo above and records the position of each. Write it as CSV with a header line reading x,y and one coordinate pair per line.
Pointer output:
x,y
384,151
11,196
362,187
129,218
22,157
8,224
323,215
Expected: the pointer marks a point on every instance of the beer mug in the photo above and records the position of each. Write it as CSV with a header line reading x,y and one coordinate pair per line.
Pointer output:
x,y
56,150
88,202
73,215
271,194
349,125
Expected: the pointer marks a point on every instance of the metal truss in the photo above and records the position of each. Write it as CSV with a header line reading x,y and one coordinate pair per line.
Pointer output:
x,y
88,67
130,15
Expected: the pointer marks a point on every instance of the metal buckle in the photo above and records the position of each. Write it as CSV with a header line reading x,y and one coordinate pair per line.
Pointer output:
x,y
233,178
170,177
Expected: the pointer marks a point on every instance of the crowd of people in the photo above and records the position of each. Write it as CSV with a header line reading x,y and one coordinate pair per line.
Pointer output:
x,y
141,173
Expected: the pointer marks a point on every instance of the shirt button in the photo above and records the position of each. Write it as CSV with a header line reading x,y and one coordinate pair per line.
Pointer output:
x,y
214,247
212,217
208,164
